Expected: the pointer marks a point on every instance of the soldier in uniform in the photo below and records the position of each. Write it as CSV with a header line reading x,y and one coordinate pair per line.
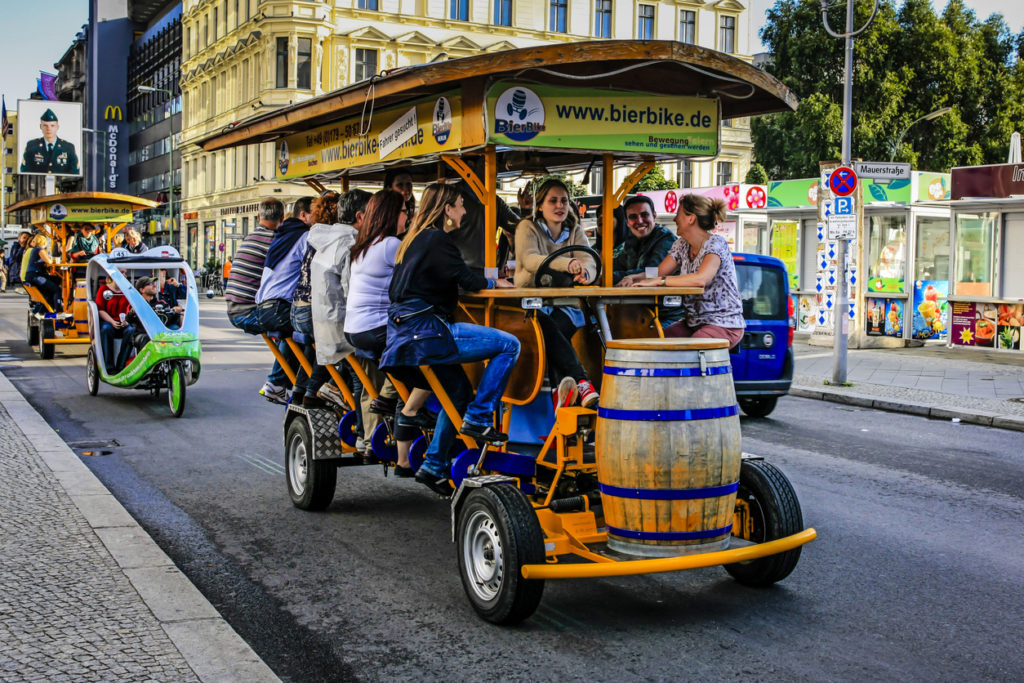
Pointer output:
x,y
49,154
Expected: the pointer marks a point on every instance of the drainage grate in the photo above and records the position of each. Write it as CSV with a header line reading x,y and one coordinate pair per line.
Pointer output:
x,y
94,448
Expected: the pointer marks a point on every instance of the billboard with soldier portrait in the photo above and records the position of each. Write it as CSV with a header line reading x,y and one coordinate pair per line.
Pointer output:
x,y
49,137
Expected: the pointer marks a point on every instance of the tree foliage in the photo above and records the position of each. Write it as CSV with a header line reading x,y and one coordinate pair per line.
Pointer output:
x,y
655,180
756,175
910,62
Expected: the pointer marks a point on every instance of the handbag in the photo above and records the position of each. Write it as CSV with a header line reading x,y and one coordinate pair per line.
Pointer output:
x,y
417,336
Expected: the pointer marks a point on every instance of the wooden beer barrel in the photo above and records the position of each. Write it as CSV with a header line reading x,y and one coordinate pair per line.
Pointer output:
x,y
80,309
668,446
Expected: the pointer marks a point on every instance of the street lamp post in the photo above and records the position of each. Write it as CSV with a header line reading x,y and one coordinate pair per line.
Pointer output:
x,y
927,117
170,155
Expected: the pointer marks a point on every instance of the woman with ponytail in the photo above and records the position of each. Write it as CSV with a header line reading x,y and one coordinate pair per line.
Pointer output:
x,y
700,258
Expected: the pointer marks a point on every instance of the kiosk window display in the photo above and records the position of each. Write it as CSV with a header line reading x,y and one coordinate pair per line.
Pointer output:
x,y
975,239
887,253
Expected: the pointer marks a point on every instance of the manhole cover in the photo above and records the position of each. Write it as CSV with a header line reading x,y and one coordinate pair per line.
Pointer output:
x,y
94,444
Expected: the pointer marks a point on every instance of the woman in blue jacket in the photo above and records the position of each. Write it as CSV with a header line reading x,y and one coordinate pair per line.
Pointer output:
x,y
429,270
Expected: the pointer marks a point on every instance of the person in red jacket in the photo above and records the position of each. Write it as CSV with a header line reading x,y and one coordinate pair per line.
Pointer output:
x,y
112,306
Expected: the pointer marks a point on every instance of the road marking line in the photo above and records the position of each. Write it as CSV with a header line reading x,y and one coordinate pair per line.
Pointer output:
x,y
261,464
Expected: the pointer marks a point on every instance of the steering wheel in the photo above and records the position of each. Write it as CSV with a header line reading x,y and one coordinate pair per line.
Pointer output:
x,y
549,277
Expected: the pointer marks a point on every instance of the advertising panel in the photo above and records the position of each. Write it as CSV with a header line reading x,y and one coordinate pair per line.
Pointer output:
x,y
49,137
424,127
91,212
884,318
931,310
565,117
783,247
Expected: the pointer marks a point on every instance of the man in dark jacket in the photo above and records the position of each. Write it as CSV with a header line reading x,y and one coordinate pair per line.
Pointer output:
x,y
14,259
646,246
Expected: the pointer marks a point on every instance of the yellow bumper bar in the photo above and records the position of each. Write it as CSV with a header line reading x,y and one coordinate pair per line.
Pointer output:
x,y
68,340
667,564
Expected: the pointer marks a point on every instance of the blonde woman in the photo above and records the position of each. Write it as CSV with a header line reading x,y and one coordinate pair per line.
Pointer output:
x,y
424,292
133,242
37,272
700,258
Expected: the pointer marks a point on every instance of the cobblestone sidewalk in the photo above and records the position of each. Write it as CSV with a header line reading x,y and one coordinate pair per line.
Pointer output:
x,y
85,594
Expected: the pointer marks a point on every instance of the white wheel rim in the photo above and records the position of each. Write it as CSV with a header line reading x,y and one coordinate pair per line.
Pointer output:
x,y
298,464
483,555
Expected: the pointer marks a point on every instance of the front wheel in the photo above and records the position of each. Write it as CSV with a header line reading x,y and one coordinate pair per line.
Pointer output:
x,y
758,406
44,333
498,533
92,372
311,483
766,509
33,329
176,389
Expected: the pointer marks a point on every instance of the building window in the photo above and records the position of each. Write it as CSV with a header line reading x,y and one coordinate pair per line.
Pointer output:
x,y
557,19
367,4
282,63
688,26
727,34
931,255
975,253
684,176
303,64
723,173
366,63
603,18
887,254
458,10
503,12
216,23
645,23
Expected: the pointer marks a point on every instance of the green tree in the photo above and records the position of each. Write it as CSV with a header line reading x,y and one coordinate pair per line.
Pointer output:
x,y
756,175
910,62
655,180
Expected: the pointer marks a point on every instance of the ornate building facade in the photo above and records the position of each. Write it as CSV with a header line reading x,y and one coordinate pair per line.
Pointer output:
x,y
244,57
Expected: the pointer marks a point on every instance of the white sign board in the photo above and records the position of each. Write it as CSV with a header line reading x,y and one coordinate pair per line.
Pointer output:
x,y
842,227
397,133
882,170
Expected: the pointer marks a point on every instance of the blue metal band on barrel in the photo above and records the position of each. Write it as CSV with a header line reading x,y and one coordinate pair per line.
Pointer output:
x,y
670,494
670,535
666,372
668,415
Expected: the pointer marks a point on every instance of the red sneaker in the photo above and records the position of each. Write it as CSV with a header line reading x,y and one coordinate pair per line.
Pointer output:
x,y
588,394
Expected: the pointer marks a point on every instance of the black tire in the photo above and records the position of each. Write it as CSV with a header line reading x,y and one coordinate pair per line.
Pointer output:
x,y
498,533
92,372
311,483
176,385
774,512
33,329
46,351
758,406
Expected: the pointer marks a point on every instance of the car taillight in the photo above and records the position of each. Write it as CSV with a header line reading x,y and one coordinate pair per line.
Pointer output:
x,y
792,322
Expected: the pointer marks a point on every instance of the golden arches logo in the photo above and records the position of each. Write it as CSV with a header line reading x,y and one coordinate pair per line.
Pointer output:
x,y
112,112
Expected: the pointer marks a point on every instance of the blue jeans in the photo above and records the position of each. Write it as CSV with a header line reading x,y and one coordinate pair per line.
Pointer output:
x,y
302,321
108,333
475,343
250,324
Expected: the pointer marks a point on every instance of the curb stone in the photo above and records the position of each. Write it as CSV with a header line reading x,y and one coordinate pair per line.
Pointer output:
x,y
206,642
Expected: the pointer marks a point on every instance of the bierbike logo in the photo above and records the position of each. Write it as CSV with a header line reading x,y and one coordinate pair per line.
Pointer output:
x,y
112,113
519,114
283,157
442,119
58,212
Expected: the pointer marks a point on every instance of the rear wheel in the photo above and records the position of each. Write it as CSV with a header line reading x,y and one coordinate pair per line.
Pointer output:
x,y
33,329
498,533
92,372
45,332
176,389
758,406
311,483
766,509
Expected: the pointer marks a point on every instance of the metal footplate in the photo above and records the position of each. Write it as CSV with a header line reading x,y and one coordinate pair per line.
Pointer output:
x,y
323,425
475,483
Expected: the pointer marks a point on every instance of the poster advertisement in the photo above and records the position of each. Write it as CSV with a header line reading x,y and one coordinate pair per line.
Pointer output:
x,y
875,318
783,247
1008,323
727,231
931,310
961,322
805,308
894,318
49,137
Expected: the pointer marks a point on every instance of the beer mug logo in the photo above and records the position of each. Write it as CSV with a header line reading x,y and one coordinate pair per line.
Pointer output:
x,y
442,120
283,157
519,114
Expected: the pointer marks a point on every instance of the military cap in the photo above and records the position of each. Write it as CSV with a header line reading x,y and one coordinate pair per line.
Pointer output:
x,y
48,115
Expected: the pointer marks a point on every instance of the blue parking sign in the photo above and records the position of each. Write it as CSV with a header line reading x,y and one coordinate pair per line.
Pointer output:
x,y
842,206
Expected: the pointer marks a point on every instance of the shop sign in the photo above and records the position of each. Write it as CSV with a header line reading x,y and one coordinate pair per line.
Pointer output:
x,y
436,126
999,181
98,212
562,117
881,170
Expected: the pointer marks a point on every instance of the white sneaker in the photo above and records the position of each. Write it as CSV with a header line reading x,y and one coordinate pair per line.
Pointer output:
x,y
274,393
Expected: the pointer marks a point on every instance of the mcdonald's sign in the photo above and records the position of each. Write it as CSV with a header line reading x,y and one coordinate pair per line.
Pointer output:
x,y
113,112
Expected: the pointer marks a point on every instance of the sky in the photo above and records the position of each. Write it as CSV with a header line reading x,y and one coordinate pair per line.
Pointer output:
x,y
25,53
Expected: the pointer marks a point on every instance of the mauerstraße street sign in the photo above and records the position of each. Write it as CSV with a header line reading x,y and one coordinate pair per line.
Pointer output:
x,y
882,170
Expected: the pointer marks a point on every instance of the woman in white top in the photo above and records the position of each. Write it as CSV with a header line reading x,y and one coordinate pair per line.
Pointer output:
x,y
366,315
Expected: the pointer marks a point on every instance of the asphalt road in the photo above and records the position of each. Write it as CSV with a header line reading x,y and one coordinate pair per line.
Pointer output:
x,y
916,574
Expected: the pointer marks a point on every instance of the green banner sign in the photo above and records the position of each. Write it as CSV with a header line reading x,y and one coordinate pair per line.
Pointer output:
x,y
601,120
